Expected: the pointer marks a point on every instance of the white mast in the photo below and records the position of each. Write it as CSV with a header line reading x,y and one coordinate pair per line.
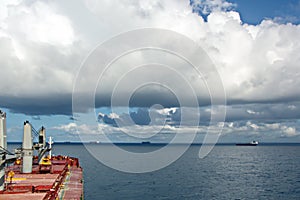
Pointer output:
x,y
27,149
3,144
50,142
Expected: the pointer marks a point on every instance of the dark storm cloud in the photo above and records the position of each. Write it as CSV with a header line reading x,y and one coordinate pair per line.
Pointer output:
x,y
47,105
62,104
241,112
141,116
106,119
268,112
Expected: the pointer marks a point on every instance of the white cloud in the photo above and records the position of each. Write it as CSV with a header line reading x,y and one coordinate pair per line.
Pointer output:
x,y
274,126
252,126
4,7
73,128
289,131
253,60
43,46
166,111
292,107
262,131
257,130
39,23
39,49
251,112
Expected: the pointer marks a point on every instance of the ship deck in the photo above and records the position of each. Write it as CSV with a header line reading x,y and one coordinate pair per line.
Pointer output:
x,y
63,182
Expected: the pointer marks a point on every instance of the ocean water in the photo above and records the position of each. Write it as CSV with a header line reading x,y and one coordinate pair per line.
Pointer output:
x,y
228,172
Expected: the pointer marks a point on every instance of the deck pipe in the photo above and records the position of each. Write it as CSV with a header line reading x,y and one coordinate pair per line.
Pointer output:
x,y
27,148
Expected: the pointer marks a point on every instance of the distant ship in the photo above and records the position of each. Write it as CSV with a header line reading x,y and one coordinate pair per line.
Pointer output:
x,y
146,142
253,143
95,142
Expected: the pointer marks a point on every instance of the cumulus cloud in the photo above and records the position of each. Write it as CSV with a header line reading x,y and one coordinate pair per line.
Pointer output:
x,y
38,57
44,43
289,131
71,127
74,128
245,121
263,131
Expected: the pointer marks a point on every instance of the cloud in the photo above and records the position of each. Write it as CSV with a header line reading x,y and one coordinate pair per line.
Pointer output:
x,y
140,116
107,119
263,131
205,7
36,117
44,43
238,115
289,131
73,128
38,57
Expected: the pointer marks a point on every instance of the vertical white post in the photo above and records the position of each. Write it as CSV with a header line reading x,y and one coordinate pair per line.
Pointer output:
x,y
27,149
3,144
50,146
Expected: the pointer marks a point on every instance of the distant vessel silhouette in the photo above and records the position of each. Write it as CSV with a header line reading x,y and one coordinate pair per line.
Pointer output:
x,y
95,142
253,143
146,142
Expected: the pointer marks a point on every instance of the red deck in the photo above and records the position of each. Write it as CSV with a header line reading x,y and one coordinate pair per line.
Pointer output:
x,y
64,181
73,185
31,196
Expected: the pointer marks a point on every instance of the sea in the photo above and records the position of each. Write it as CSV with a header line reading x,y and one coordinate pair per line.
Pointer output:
x,y
266,171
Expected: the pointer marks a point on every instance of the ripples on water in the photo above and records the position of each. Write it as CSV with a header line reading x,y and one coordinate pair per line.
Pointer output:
x,y
228,172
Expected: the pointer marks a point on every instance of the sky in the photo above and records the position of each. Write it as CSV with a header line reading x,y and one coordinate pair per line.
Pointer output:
x,y
254,46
